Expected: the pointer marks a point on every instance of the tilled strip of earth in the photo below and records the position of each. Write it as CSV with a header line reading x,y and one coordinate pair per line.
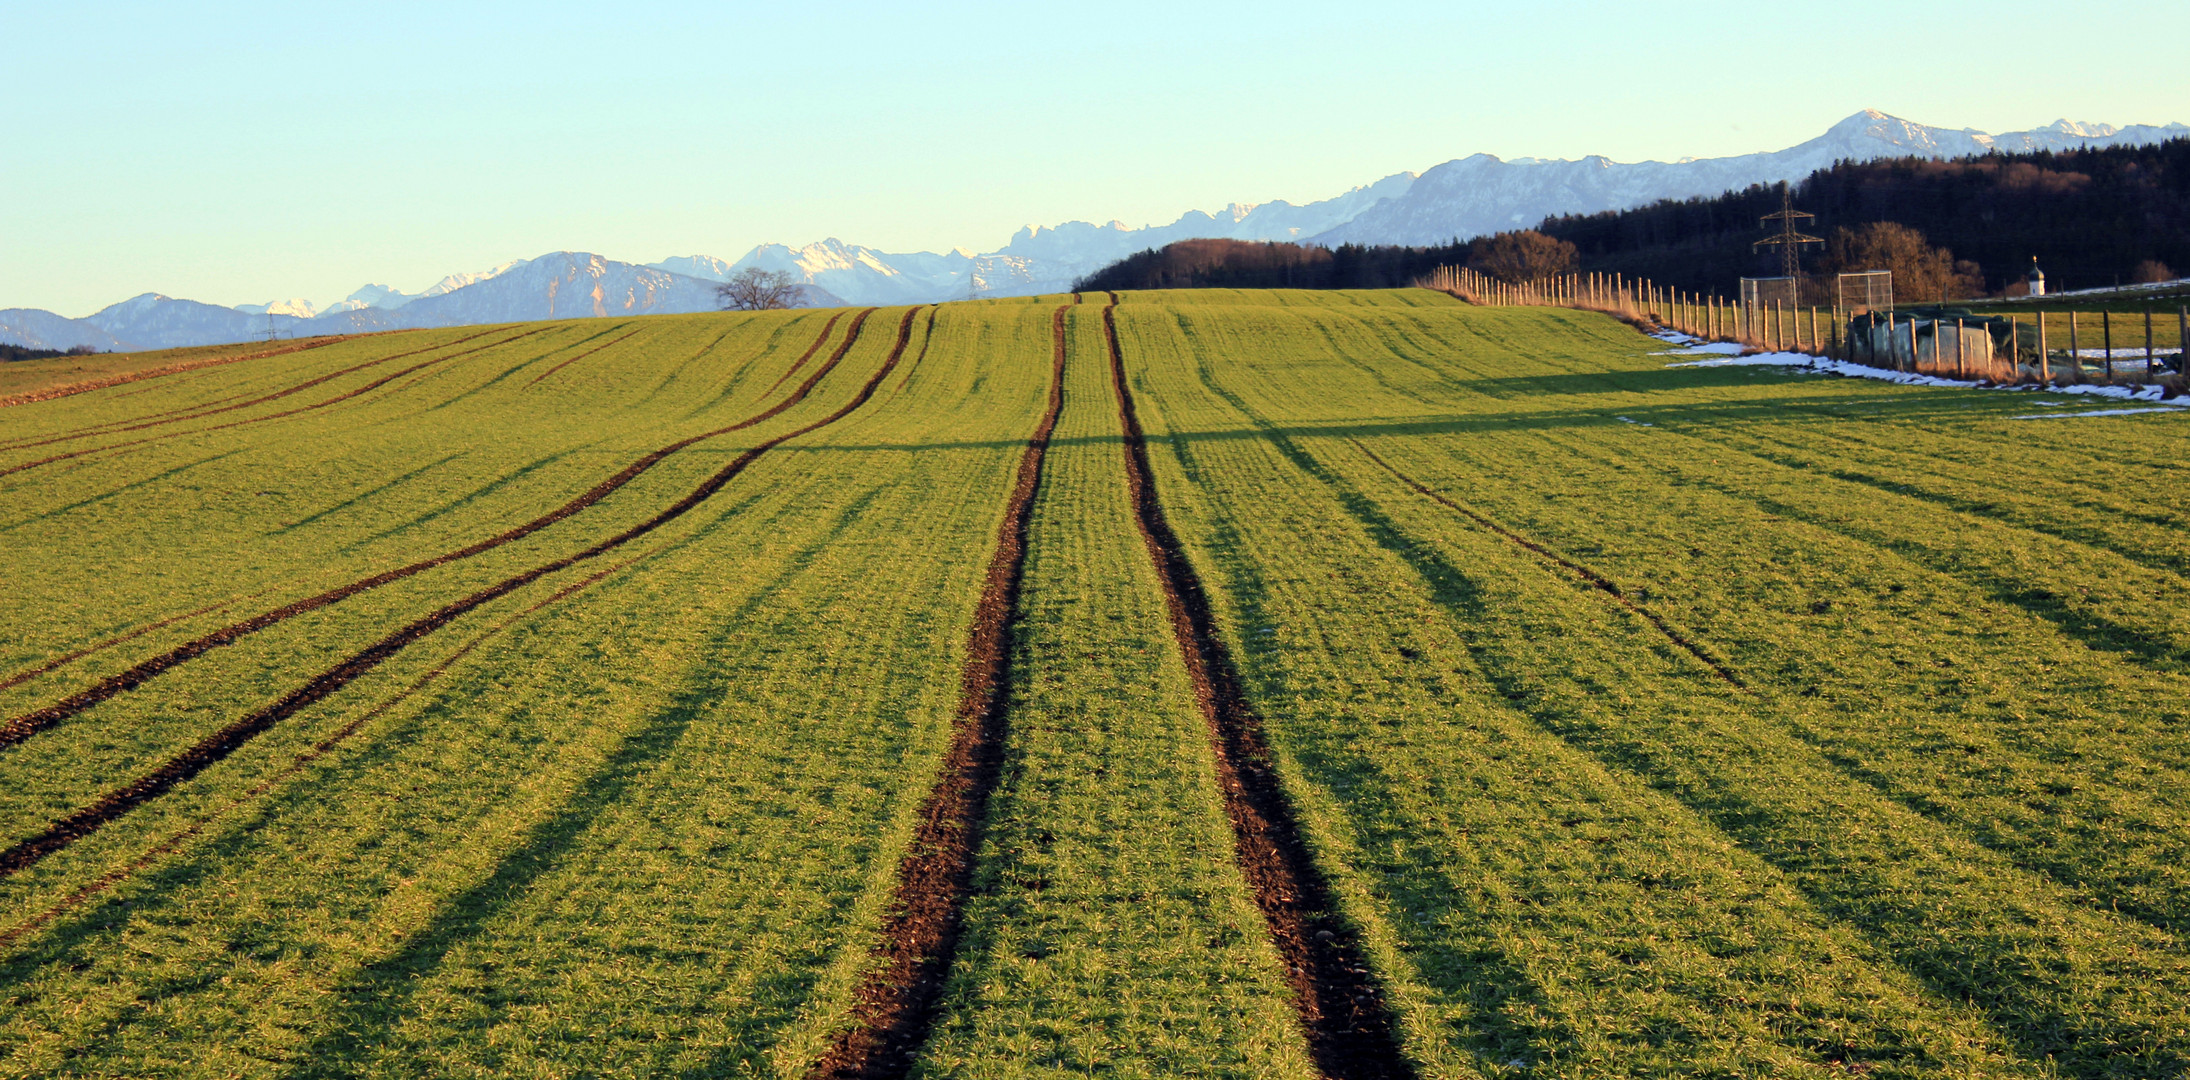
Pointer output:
x,y
338,398
212,408
28,724
894,1008
1349,1027
174,842
218,746
88,385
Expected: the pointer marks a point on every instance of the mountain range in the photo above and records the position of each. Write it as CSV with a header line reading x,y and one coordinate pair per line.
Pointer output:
x,y
1460,199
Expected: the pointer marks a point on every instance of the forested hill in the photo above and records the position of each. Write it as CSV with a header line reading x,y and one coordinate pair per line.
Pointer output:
x,y
2089,216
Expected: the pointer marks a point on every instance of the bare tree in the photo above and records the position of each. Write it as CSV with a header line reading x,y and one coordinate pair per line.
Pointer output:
x,y
1523,256
1921,272
755,289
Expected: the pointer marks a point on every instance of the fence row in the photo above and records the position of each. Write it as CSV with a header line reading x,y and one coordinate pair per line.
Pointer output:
x,y
2047,347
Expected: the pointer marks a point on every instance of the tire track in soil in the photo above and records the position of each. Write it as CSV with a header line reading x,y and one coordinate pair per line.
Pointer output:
x,y
26,675
894,1008
815,347
72,389
1349,1028
345,396
28,724
111,427
597,348
218,746
1588,576
176,840
198,412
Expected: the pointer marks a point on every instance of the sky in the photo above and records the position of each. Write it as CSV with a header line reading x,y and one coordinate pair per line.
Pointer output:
x,y
241,153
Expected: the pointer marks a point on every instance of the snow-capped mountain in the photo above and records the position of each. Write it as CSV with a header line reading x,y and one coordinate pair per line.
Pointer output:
x,y
1462,198
35,329
153,321
1479,195
302,309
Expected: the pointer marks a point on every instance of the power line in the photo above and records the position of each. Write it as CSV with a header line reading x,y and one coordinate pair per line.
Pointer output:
x,y
1787,239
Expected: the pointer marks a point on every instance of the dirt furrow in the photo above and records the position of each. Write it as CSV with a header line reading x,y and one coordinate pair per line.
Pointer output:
x,y
27,674
218,746
88,385
810,351
175,841
23,727
1590,577
338,398
895,1006
216,408
597,348
1350,1030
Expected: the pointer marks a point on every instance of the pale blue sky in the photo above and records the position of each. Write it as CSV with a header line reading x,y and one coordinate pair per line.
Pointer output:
x,y
239,153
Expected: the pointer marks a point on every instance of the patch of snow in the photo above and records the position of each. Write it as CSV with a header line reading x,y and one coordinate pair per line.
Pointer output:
x,y
2101,412
1820,365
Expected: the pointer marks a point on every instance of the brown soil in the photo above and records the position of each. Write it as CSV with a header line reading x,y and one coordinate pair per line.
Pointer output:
x,y
1350,1032
317,750
810,351
217,746
345,396
895,1006
1594,579
200,411
26,675
597,348
22,727
67,389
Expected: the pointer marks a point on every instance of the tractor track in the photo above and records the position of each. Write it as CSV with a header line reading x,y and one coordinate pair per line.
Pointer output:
x,y
24,726
27,674
814,348
320,749
1588,576
198,412
597,348
895,1006
1350,1029
219,745
344,396
71,389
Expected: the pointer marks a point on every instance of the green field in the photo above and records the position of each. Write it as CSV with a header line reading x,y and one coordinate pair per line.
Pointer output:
x,y
577,699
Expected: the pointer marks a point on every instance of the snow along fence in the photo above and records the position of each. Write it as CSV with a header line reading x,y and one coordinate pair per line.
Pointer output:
x,y
1935,341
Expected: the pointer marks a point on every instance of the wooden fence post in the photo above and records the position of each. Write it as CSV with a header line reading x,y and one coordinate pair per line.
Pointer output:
x,y
2148,373
2045,363
1913,364
2075,354
2106,340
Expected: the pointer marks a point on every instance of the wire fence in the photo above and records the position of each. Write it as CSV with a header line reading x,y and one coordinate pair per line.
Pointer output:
x,y
2048,347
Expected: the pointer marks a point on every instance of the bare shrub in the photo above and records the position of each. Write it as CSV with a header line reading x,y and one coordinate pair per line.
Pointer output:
x,y
755,289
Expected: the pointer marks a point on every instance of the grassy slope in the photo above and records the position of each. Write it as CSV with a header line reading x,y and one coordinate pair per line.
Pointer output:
x,y
1109,931
1866,870
649,827
639,831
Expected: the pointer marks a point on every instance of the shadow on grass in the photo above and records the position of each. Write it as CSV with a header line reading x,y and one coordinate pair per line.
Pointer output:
x,y
375,1000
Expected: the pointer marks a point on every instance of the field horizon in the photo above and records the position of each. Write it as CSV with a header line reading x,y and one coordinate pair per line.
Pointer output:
x,y
1231,683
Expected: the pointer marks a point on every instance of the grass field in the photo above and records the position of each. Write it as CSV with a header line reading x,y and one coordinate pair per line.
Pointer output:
x,y
1443,691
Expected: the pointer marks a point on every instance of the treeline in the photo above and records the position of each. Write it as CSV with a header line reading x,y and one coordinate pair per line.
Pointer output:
x,y
9,353
2095,217
1247,264
2092,218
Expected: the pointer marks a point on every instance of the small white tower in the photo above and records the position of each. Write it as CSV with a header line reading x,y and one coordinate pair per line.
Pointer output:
x,y
2037,278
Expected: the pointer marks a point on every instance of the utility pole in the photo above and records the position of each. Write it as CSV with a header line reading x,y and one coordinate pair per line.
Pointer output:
x,y
270,333
1787,240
